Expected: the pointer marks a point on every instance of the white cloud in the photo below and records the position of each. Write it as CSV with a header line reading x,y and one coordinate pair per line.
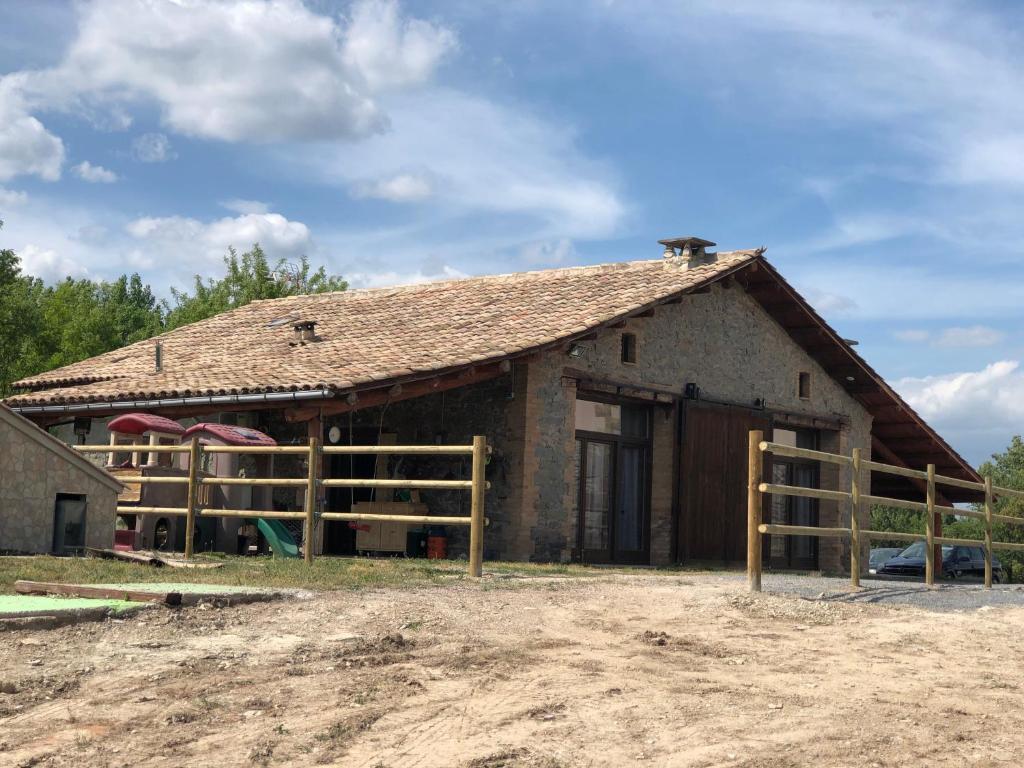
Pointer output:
x,y
12,197
49,264
548,252
26,147
389,51
152,148
978,410
427,273
239,70
826,303
95,174
969,337
482,157
238,205
200,245
912,336
972,336
401,188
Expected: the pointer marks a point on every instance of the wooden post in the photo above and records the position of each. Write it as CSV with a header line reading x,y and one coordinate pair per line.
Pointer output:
x,y
988,533
854,522
193,494
112,456
929,530
312,478
755,471
476,510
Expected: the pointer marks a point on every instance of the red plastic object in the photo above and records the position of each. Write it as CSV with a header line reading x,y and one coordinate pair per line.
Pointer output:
x,y
124,540
437,547
232,435
137,423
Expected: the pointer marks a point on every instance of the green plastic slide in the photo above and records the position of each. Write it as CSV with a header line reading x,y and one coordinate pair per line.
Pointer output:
x,y
279,538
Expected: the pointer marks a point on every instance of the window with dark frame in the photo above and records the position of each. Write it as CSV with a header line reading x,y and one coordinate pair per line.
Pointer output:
x,y
629,348
804,386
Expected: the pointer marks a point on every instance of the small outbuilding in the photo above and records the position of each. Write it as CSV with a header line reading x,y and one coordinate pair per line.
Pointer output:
x,y
52,499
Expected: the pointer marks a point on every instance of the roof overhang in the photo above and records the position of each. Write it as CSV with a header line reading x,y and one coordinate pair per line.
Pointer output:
x,y
899,435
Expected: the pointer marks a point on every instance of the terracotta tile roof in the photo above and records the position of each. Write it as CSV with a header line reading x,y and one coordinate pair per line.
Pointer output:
x,y
374,336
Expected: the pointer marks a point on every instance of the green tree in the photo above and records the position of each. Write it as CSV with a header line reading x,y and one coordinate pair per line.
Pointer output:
x,y
247,278
897,520
19,318
46,326
1007,471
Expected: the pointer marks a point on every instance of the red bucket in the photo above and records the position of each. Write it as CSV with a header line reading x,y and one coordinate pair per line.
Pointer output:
x,y
437,547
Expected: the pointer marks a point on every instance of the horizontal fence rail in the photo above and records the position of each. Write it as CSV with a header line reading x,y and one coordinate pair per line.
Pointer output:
x,y
314,483
853,502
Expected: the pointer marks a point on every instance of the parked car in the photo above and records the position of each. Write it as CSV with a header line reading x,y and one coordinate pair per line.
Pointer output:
x,y
880,556
956,562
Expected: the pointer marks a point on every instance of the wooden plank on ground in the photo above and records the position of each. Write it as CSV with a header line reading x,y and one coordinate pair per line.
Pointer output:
x,y
103,593
119,554
175,563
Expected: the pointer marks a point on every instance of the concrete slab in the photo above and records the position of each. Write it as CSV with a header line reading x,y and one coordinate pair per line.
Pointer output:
x,y
38,611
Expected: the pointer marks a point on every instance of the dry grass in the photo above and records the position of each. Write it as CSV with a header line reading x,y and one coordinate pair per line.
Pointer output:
x,y
326,573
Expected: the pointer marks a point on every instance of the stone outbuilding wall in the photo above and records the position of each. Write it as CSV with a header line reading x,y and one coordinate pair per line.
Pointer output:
x,y
34,469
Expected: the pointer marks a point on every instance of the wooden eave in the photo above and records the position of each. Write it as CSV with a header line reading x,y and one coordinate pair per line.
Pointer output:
x,y
899,434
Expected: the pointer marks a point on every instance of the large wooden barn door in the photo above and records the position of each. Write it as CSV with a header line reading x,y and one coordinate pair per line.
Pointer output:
x,y
713,481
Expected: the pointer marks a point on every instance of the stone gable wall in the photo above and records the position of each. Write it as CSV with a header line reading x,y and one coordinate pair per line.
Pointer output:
x,y
31,476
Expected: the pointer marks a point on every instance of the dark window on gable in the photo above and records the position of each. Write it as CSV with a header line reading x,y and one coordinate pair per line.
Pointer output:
x,y
629,348
804,387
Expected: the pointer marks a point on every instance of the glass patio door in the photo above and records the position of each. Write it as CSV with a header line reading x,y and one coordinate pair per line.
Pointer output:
x,y
794,552
597,480
612,472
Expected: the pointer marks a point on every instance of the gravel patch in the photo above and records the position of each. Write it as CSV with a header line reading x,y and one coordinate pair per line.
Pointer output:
x,y
945,597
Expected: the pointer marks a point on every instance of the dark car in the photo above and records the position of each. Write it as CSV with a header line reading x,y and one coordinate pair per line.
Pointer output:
x,y
956,562
880,556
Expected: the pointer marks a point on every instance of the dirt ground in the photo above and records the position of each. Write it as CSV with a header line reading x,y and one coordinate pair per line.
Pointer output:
x,y
543,672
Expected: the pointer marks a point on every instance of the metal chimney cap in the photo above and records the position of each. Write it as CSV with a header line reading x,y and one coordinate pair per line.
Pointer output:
x,y
680,242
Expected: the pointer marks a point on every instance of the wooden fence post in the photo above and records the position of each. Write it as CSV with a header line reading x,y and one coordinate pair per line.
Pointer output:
x,y
854,522
929,530
193,495
755,470
476,513
988,533
312,482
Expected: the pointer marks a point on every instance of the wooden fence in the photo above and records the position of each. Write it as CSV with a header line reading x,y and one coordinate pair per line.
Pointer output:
x,y
313,484
852,502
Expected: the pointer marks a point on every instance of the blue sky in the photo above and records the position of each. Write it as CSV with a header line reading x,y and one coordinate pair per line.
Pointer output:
x,y
876,150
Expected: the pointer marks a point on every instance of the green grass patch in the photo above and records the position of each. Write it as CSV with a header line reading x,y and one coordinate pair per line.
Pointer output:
x,y
326,573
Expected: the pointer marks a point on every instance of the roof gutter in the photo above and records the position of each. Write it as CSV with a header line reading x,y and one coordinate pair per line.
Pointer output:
x,y
178,402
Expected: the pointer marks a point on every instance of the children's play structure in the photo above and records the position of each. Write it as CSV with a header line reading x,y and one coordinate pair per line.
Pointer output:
x,y
132,433
236,500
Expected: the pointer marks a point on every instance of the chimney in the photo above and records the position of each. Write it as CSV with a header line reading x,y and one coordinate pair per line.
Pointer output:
x,y
692,251
158,357
305,332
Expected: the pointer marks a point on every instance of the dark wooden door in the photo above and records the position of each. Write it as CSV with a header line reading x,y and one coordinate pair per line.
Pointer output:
x,y
713,481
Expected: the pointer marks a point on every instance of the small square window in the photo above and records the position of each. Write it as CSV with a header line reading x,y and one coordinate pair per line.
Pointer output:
x,y
804,387
629,348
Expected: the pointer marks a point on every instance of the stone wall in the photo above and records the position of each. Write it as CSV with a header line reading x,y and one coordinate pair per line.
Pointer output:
x,y
31,476
724,342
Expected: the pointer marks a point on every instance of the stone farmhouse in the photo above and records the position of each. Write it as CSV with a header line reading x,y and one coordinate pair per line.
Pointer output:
x,y
617,400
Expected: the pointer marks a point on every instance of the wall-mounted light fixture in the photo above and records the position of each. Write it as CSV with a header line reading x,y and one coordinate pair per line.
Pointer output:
x,y
576,351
